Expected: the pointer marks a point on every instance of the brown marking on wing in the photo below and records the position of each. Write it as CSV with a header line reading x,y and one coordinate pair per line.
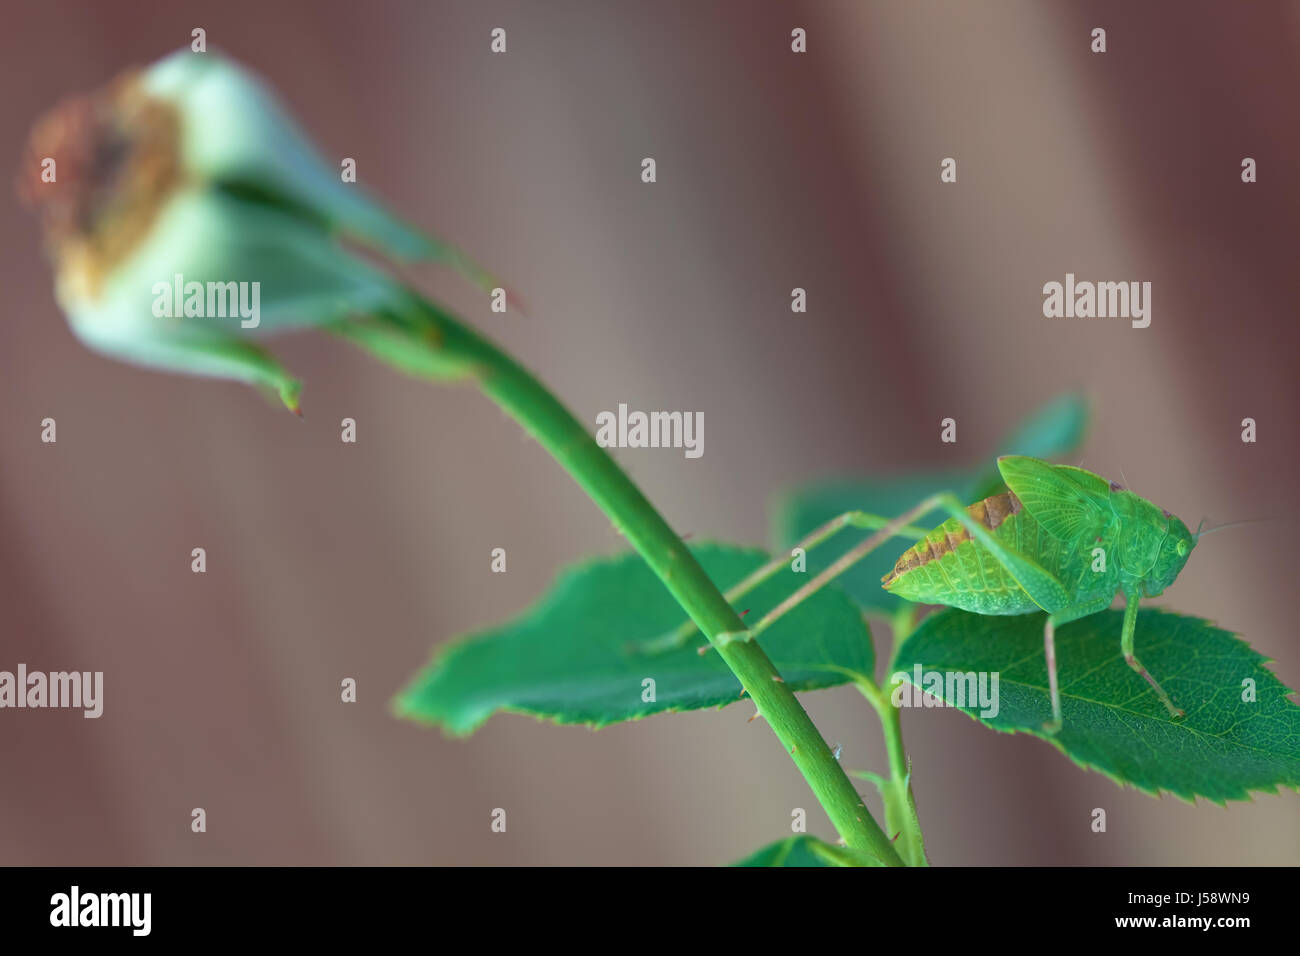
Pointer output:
x,y
990,512
998,507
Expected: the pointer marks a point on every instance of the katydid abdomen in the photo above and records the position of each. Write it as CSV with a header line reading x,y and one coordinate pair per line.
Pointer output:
x,y
950,567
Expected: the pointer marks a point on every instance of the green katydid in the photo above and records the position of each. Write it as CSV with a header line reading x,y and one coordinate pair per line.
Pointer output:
x,y
1060,539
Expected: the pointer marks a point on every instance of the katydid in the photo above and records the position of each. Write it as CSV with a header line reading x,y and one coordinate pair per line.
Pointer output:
x,y
1060,539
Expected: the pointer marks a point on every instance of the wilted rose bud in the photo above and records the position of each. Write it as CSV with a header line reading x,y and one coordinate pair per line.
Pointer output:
x,y
187,215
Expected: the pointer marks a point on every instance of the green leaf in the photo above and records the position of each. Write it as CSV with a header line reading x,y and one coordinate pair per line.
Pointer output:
x,y
574,657
1223,749
805,850
1053,431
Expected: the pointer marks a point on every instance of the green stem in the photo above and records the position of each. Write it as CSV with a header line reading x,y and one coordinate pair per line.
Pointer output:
x,y
892,727
573,446
900,806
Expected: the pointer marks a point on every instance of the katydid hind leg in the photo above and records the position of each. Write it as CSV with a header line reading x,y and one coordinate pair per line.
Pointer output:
x,y
849,519
886,528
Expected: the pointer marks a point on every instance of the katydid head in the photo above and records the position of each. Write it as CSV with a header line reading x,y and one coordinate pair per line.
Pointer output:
x,y
1172,555
1176,547
1151,544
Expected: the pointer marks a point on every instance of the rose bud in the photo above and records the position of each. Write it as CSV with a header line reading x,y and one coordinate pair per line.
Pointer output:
x,y
187,216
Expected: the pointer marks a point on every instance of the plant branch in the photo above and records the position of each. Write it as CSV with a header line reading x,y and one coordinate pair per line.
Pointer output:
x,y
896,791
547,420
900,805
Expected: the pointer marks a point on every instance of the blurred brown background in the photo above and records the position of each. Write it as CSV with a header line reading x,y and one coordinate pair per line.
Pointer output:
x,y
775,170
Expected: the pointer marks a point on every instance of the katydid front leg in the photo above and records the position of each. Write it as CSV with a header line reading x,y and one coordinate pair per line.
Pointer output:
x,y
1126,645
